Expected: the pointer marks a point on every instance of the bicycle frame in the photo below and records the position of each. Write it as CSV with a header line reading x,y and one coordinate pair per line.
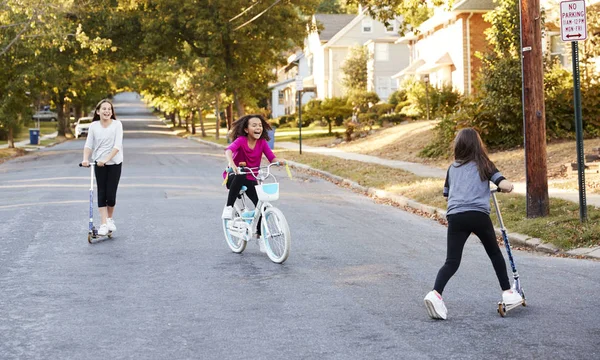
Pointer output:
x,y
260,207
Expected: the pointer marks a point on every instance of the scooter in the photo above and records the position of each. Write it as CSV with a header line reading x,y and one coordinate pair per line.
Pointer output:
x,y
503,308
92,231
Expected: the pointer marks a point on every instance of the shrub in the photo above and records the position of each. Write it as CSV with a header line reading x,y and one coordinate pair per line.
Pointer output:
x,y
392,119
381,109
397,97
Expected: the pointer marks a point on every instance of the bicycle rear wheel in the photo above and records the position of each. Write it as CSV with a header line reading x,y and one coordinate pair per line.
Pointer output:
x,y
276,235
236,244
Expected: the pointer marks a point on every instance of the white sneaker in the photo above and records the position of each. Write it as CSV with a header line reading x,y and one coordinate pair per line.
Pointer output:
x,y
435,306
111,224
227,213
103,230
511,297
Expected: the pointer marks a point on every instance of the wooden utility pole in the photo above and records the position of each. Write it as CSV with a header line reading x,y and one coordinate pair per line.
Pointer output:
x,y
534,113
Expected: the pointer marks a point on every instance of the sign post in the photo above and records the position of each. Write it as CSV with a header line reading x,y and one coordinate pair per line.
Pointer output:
x,y
299,88
573,28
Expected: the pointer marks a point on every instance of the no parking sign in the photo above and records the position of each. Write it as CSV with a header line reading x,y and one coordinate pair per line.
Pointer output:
x,y
573,24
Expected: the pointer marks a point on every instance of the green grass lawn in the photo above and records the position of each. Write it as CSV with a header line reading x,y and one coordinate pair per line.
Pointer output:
x,y
561,228
46,127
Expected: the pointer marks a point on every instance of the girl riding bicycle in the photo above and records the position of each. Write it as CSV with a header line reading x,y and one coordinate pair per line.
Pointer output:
x,y
248,146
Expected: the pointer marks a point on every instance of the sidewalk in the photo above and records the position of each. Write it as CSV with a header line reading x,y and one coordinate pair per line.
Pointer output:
x,y
430,171
24,143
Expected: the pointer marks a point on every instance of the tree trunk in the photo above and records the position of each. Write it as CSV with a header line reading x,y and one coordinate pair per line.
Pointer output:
x,y
62,121
187,122
173,119
178,117
202,129
11,138
78,111
238,104
193,125
230,116
218,117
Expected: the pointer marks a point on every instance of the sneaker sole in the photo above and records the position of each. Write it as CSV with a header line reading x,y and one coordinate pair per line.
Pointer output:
x,y
431,311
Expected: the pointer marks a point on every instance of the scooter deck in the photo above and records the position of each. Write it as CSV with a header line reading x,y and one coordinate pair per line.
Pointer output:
x,y
503,309
99,237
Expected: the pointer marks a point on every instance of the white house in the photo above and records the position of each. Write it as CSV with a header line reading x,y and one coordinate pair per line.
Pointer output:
x,y
319,64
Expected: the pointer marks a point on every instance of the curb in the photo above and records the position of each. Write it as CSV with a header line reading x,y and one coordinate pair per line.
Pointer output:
x,y
527,241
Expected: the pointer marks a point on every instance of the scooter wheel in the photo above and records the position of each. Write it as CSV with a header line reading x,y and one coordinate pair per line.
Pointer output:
x,y
90,238
501,309
109,235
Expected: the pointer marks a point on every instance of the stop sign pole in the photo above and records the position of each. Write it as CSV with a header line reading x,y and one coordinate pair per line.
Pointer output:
x,y
573,28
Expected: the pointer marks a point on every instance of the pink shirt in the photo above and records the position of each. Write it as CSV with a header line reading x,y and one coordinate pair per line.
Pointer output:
x,y
252,157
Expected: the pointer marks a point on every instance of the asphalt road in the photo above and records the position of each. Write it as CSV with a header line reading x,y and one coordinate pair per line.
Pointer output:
x,y
168,287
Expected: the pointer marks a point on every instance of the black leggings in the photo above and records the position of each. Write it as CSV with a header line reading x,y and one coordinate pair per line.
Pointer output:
x,y
460,226
235,183
107,179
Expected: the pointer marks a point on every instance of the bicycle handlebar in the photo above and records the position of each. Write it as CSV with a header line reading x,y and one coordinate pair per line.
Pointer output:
x,y
249,170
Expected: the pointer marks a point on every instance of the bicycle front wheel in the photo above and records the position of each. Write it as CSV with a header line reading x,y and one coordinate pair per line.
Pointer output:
x,y
236,244
276,235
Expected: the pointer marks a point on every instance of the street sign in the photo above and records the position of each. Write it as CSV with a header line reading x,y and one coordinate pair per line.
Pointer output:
x,y
573,24
299,85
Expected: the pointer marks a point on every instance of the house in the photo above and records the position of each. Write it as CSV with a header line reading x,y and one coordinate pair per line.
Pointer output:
x,y
319,63
327,53
443,47
385,56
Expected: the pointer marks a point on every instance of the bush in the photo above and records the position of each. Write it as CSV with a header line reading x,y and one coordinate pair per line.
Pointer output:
x,y
381,109
397,97
392,119
362,99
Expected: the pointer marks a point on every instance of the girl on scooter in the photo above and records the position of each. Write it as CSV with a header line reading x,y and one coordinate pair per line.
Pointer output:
x,y
467,188
104,144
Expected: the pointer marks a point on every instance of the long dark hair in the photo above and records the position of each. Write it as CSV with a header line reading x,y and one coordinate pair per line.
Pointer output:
x,y
97,116
469,147
238,127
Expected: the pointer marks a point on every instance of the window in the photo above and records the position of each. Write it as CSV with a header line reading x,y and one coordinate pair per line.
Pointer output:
x,y
391,26
382,52
367,26
383,86
281,97
557,50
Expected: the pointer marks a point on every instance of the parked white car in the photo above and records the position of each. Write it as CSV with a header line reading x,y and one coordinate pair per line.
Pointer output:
x,y
82,126
45,115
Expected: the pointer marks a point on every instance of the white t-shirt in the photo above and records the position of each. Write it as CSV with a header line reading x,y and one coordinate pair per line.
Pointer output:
x,y
102,140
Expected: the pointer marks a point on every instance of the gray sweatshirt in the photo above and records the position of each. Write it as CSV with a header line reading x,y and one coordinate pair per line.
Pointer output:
x,y
465,190
102,140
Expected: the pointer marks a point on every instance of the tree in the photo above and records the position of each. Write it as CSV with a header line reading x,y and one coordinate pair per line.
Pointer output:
x,y
355,69
413,12
242,52
336,7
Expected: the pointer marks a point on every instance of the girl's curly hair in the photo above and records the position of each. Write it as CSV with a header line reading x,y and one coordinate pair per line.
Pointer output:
x,y
238,127
97,116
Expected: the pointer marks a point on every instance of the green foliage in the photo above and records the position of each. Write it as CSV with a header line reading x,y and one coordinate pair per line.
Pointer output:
x,y
335,7
332,110
391,119
413,12
362,99
397,97
418,95
355,69
381,109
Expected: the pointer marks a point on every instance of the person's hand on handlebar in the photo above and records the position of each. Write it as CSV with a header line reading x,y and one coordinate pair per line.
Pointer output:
x,y
505,186
234,168
85,163
280,162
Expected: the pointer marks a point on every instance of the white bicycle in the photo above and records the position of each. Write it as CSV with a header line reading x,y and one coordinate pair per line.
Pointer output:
x,y
275,232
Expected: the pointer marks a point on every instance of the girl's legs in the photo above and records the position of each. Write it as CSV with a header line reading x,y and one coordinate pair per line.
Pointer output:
x,y
114,175
101,182
459,229
484,230
235,183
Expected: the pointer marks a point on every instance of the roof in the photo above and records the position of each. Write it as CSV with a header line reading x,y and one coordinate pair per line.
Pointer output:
x,y
474,5
332,24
